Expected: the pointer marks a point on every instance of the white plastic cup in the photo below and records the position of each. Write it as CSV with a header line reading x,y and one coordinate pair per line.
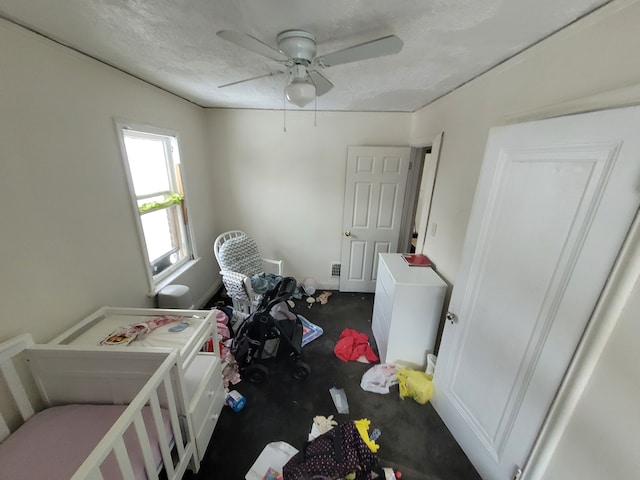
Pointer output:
x,y
308,286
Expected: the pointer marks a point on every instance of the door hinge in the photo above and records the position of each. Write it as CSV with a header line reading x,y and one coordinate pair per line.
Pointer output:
x,y
452,317
517,473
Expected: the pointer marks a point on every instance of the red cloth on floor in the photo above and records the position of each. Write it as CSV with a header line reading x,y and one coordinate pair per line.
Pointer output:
x,y
352,345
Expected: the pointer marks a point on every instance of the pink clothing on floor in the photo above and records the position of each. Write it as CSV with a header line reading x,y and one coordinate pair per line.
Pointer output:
x,y
221,322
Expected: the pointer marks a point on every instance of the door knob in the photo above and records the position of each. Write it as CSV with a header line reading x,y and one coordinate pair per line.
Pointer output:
x,y
347,233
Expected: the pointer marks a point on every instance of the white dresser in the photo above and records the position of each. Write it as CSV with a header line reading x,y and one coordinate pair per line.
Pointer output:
x,y
201,371
406,311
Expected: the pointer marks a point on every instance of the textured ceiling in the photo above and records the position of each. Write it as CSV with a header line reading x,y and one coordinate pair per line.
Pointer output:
x,y
173,44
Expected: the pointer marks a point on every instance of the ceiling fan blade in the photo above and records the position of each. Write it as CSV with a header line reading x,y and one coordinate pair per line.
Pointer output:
x,y
249,79
320,81
375,48
250,43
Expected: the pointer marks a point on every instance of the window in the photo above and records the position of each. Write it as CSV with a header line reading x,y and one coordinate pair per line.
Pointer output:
x,y
152,161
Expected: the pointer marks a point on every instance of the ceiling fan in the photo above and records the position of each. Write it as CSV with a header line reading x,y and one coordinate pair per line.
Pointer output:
x,y
296,54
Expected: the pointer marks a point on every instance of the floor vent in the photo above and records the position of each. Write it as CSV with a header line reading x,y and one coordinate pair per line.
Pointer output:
x,y
335,269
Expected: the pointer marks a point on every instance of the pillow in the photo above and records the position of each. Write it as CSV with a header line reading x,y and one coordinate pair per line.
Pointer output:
x,y
240,254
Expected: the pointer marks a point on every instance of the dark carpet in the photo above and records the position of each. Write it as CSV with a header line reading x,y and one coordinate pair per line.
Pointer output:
x,y
413,438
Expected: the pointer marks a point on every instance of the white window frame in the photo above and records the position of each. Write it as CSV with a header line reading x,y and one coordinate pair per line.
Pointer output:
x,y
172,154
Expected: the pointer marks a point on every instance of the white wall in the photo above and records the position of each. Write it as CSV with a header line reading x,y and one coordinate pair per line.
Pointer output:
x,y
287,189
595,55
69,242
598,54
601,441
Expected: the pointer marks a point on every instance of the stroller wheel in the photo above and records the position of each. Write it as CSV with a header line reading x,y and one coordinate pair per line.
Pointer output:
x,y
256,373
300,371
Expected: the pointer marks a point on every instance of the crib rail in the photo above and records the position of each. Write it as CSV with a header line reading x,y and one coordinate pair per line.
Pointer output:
x,y
8,350
113,440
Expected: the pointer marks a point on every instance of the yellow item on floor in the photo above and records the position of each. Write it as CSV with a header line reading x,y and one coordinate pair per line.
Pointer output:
x,y
415,384
363,429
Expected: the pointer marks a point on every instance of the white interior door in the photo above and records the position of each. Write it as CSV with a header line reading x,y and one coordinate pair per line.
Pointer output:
x,y
426,191
374,192
553,205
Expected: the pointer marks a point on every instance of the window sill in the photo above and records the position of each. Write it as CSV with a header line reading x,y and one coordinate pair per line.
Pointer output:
x,y
169,279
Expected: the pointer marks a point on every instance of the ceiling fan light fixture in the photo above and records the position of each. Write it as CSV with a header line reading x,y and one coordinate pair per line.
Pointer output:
x,y
300,93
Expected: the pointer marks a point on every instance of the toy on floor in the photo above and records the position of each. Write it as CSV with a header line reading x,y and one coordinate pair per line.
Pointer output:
x,y
323,298
324,424
272,475
389,474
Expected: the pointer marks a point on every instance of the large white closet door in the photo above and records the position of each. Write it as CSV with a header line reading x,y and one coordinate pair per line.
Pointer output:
x,y
553,205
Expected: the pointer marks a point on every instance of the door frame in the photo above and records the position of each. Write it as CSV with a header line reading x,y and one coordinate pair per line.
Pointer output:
x,y
414,184
429,188
412,191
615,294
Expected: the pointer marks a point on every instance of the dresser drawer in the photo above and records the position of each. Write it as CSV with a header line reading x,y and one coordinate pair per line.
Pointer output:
x,y
382,340
382,312
204,428
202,380
385,280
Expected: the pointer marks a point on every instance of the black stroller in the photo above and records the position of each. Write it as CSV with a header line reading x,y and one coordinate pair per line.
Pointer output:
x,y
272,331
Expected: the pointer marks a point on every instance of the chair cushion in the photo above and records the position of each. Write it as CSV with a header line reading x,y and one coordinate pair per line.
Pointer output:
x,y
234,284
240,254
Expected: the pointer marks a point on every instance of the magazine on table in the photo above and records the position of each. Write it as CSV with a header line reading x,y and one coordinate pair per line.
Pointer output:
x,y
416,260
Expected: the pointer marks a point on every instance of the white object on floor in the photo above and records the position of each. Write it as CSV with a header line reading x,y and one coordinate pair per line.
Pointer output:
x,y
275,455
379,378
431,364
175,296
339,400
389,474
314,433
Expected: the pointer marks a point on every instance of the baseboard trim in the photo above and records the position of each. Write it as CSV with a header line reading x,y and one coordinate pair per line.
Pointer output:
x,y
202,301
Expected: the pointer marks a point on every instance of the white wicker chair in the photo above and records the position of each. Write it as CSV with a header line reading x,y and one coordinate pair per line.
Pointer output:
x,y
239,259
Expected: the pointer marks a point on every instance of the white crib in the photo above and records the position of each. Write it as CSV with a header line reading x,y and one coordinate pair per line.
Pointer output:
x,y
200,372
46,389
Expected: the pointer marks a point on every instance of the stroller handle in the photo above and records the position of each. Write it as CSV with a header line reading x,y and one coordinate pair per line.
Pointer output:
x,y
287,287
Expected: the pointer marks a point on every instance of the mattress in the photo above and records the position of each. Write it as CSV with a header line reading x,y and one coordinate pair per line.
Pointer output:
x,y
55,442
160,337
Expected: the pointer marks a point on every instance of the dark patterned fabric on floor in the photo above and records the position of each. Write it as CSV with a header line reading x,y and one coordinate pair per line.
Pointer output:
x,y
413,438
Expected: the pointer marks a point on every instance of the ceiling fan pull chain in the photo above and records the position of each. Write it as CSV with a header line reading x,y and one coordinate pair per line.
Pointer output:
x,y
284,112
